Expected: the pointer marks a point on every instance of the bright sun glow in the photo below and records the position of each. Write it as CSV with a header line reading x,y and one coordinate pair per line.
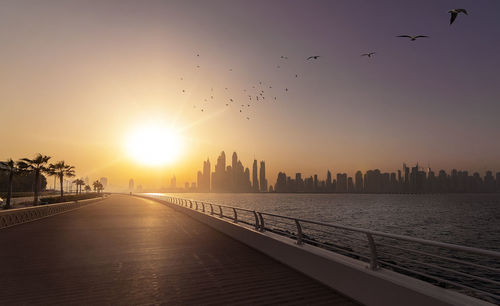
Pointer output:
x,y
154,145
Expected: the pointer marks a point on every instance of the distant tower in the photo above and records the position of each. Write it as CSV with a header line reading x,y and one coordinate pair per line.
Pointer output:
x,y
358,181
219,176
131,185
104,182
206,176
328,181
234,163
200,181
255,179
262,177
173,182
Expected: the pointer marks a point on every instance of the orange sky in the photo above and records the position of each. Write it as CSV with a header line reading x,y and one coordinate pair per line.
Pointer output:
x,y
76,78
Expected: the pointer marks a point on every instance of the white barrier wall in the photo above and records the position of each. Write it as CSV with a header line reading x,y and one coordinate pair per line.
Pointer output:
x,y
17,216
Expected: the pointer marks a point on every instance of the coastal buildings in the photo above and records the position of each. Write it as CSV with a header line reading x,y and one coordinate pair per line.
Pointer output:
x,y
416,179
231,178
408,180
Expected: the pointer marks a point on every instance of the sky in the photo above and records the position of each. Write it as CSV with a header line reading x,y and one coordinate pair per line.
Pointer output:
x,y
78,77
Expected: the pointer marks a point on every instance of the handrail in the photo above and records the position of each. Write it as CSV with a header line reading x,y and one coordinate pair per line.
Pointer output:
x,y
399,237
426,269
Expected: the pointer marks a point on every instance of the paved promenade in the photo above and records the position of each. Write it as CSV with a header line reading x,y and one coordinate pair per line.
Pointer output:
x,y
128,251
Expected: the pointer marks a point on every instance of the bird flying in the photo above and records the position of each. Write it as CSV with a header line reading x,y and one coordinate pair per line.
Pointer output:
x,y
368,54
412,38
454,13
313,57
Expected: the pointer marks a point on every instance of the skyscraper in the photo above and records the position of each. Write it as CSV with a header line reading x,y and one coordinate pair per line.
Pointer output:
x,y
328,181
104,182
219,176
206,175
131,185
255,179
262,177
199,180
358,181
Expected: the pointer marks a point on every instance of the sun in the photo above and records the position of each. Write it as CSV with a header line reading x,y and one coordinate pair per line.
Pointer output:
x,y
154,144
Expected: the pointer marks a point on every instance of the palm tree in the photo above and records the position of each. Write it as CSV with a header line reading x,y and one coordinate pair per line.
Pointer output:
x,y
60,169
38,166
11,167
87,188
79,183
98,186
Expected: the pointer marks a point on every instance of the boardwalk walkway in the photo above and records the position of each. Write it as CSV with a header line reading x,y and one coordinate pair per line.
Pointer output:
x,y
129,251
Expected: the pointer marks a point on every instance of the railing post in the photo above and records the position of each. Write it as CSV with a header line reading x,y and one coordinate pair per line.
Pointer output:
x,y
220,212
211,209
190,204
373,252
256,221
196,202
235,216
299,232
202,207
262,224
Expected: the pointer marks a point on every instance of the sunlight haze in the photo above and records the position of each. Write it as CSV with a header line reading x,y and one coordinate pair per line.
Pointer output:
x,y
78,78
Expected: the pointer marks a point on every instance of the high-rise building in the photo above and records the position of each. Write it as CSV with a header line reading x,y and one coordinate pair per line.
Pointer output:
x,y
131,185
219,177
173,182
235,172
255,177
350,185
203,178
262,177
280,185
328,181
358,181
104,182
206,175
341,182
199,179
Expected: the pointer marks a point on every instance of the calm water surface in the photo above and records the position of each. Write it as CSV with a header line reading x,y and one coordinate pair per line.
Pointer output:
x,y
466,219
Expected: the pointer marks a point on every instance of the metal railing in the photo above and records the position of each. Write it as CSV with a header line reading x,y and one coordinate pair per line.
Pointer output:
x,y
471,271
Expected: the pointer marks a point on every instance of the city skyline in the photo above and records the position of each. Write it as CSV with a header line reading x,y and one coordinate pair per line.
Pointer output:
x,y
415,179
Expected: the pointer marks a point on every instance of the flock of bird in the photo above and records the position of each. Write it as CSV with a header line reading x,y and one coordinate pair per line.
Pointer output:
x,y
261,92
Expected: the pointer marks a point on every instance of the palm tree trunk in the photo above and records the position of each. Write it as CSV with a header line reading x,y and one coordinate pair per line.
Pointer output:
x,y
9,191
37,179
61,182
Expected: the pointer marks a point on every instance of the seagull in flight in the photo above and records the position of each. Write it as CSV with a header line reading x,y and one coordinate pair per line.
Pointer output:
x,y
313,57
454,13
412,38
368,54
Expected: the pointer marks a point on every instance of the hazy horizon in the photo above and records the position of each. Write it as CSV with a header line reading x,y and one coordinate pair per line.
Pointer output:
x,y
78,78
